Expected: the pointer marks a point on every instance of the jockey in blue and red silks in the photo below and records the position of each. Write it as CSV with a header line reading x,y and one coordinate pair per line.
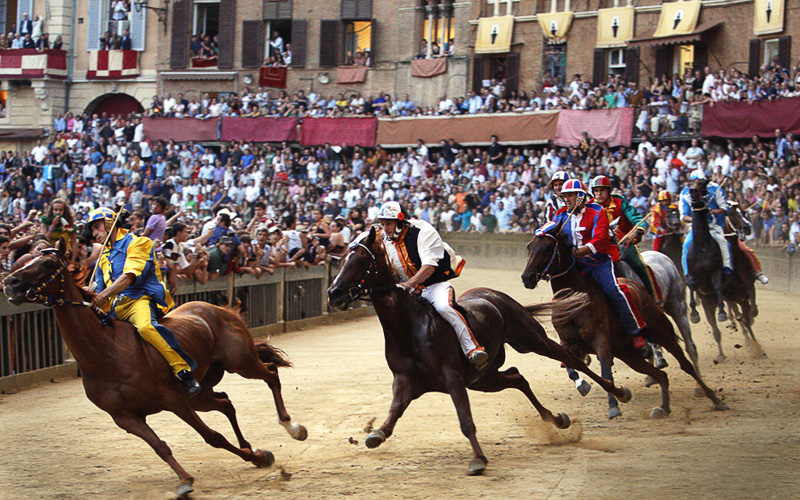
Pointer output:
x,y
586,226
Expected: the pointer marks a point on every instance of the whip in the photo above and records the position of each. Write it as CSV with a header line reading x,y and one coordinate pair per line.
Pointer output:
x,y
92,284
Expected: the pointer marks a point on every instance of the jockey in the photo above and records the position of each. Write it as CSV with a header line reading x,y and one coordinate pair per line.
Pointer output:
x,y
555,202
129,275
622,215
587,227
660,226
714,196
424,263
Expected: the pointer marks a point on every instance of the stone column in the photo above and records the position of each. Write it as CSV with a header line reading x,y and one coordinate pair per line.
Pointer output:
x,y
429,9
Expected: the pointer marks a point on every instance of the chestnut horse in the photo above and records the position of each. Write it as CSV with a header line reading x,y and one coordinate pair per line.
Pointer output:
x,y
423,351
598,329
127,378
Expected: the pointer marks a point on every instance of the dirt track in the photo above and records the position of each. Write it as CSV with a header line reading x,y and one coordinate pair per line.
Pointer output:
x,y
56,445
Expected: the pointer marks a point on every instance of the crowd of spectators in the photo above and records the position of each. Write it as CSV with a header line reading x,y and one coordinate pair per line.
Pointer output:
x,y
29,35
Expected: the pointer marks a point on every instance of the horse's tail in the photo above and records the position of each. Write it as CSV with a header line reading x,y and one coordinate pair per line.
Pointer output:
x,y
270,354
564,305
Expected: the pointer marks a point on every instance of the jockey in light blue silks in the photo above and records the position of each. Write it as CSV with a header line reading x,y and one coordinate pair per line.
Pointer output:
x,y
714,196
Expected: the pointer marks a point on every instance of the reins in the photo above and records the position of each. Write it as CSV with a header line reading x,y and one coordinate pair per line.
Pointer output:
x,y
543,274
360,291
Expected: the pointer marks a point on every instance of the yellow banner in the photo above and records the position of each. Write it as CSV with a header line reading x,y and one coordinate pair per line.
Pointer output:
x,y
678,18
555,25
769,17
614,26
494,35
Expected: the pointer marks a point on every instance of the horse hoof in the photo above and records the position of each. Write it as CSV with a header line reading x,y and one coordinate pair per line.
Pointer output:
x,y
722,317
302,433
183,490
565,422
476,467
263,458
614,412
649,381
720,358
699,393
694,317
375,439
721,406
583,387
625,397
658,412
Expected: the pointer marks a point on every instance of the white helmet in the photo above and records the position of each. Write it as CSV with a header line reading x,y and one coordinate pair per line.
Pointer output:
x,y
391,210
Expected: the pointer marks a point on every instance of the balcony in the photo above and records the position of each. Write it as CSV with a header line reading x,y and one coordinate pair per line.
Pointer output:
x,y
31,64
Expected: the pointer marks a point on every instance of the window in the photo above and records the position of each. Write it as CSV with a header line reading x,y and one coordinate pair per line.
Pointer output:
x,y
771,51
439,28
206,18
684,59
358,42
108,21
616,61
554,64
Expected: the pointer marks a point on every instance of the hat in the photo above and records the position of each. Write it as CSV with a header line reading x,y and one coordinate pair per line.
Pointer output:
x,y
225,240
229,213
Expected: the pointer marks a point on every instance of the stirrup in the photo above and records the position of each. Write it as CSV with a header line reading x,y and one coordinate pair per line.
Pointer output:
x,y
191,385
479,358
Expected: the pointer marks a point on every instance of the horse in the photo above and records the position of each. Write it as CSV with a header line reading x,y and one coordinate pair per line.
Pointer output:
x,y
126,377
672,241
598,329
423,351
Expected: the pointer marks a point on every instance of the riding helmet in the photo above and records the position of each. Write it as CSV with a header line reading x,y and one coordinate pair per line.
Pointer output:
x,y
600,181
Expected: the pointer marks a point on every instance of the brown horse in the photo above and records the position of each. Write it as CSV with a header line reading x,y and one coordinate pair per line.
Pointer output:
x,y
598,329
423,351
127,378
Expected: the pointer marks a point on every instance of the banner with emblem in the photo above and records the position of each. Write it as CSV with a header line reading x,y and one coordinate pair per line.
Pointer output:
x,y
678,18
768,17
614,27
494,35
555,25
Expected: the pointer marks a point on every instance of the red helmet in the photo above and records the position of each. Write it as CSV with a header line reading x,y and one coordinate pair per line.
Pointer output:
x,y
600,181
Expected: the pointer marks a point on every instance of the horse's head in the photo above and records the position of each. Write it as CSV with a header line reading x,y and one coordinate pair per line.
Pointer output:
x,y
738,221
698,203
674,219
38,280
549,255
358,270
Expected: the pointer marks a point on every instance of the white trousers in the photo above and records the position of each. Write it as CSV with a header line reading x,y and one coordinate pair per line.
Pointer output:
x,y
719,236
442,297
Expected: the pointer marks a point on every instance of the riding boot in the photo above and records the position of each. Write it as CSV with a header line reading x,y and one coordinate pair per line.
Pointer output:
x,y
191,385
478,357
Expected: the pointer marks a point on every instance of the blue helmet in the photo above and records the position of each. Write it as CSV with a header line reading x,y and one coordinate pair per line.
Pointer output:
x,y
101,213
559,176
697,175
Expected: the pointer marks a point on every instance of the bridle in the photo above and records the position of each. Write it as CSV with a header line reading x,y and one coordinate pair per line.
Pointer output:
x,y
544,274
361,291
35,294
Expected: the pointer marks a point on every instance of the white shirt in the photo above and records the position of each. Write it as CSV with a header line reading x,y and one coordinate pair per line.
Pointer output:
x,y
39,152
430,247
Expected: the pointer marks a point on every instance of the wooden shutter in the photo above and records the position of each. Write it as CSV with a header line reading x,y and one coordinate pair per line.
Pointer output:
x,y
252,43
299,43
179,49
477,72
138,28
356,9
94,24
599,66
329,43
3,14
372,41
26,7
700,56
785,52
632,65
754,63
512,72
275,10
227,35
663,60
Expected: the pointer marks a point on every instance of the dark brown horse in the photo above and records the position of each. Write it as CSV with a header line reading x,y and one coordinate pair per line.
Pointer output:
x,y
126,377
422,349
598,329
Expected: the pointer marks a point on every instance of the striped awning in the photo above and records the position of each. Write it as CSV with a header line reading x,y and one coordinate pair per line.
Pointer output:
x,y
695,36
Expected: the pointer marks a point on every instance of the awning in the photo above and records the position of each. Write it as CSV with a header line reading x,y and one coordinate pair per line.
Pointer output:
x,y
20,133
695,36
494,35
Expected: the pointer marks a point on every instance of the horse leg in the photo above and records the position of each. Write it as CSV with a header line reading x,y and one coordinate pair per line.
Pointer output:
x,y
186,413
512,378
138,427
606,362
583,386
694,315
717,280
458,393
750,337
218,401
674,348
708,307
402,395
253,368
635,360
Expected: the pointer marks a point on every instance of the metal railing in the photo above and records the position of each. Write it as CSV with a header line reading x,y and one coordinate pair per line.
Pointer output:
x,y
30,339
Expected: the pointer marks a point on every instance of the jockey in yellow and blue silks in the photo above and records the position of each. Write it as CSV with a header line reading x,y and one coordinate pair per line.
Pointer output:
x,y
130,277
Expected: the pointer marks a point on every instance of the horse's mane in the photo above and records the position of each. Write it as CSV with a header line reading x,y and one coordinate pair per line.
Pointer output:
x,y
379,247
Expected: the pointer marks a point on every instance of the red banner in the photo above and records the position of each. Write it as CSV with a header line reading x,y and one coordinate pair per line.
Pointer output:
x,y
180,129
201,62
426,68
272,76
113,64
262,129
353,131
32,63
351,74
739,120
611,126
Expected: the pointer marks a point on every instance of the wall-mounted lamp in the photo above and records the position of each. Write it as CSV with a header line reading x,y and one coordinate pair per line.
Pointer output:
x,y
161,11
